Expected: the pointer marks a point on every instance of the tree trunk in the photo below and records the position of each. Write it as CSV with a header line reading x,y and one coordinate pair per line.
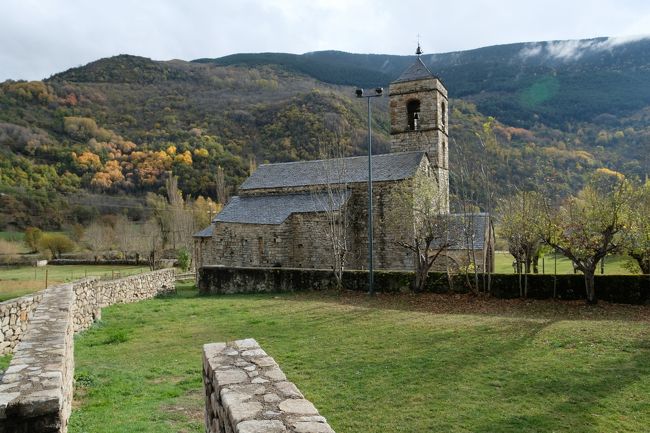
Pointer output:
x,y
643,262
421,274
590,286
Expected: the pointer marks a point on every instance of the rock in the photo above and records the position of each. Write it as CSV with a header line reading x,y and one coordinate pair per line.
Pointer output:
x,y
312,427
243,411
226,377
300,406
288,389
253,353
266,426
246,344
271,398
275,374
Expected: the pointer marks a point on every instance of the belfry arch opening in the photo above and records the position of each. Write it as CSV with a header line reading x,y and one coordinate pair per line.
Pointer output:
x,y
413,113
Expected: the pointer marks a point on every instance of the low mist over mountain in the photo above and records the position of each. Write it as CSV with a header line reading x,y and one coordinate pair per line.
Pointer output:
x,y
109,131
521,84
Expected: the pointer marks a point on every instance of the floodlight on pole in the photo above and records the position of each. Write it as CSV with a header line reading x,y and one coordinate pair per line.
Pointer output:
x,y
360,94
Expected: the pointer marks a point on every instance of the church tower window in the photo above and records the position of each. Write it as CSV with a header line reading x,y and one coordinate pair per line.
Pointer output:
x,y
413,113
443,116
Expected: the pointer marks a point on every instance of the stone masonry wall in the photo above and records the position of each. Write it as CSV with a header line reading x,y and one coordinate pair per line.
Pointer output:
x,y
235,244
14,316
91,295
246,392
36,389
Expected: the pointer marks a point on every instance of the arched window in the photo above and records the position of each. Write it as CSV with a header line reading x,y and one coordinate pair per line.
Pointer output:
x,y
413,112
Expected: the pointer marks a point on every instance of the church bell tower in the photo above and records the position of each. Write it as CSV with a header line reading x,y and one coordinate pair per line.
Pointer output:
x,y
419,119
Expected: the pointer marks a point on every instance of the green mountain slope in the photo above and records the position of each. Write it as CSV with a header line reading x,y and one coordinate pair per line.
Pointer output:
x,y
93,138
521,84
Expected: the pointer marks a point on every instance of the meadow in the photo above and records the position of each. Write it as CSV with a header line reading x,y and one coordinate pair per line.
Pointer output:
x,y
614,265
21,280
400,363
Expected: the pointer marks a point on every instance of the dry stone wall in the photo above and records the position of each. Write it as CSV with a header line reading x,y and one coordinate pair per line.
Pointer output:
x,y
14,316
246,392
36,389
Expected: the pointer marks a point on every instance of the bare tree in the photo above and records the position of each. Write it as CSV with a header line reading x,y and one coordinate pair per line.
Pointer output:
x,y
127,234
420,208
99,238
467,203
332,198
520,219
222,189
151,242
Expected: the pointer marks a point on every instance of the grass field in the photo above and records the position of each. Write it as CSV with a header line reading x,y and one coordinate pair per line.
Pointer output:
x,y
12,236
394,363
4,362
21,280
613,264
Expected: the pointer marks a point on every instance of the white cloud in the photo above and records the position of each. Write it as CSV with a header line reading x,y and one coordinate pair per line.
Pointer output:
x,y
42,37
574,50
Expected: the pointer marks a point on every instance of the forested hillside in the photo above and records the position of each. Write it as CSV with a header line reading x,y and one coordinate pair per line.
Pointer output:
x,y
97,138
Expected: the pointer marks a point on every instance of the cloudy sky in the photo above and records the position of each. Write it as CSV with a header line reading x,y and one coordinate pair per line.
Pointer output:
x,y
41,37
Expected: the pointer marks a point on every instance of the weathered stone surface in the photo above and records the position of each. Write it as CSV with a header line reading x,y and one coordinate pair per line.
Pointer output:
x,y
271,398
227,377
266,426
296,405
288,389
274,373
312,427
248,343
254,353
243,411
255,404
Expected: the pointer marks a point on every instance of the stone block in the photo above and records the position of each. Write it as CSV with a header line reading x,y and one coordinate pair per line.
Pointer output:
x,y
266,426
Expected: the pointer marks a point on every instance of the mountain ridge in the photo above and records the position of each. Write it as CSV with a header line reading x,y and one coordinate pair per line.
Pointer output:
x,y
116,125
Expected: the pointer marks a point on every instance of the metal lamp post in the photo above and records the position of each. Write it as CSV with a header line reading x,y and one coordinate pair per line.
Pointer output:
x,y
378,92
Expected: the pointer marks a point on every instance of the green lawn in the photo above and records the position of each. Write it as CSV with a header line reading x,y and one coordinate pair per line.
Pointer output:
x,y
394,363
12,236
614,265
4,363
21,280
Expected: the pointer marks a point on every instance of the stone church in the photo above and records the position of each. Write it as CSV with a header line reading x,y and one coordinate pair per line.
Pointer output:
x,y
280,217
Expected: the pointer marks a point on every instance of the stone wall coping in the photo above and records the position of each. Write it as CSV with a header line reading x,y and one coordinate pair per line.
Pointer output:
x,y
33,384
248,390
25,298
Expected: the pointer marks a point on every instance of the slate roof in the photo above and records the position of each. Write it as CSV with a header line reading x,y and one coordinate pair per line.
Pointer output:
x,y
276,208
391,166
467,231
205,233
417,71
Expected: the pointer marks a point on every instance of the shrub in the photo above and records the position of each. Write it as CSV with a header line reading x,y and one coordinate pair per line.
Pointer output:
x,y
32,236
56,244
184,259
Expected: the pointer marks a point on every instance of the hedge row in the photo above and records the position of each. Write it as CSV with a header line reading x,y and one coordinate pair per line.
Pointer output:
x,y
628,289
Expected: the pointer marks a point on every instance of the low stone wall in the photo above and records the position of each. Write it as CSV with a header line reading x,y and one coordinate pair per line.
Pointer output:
x,y
14,316
246,392
625,289
92,295
36,389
